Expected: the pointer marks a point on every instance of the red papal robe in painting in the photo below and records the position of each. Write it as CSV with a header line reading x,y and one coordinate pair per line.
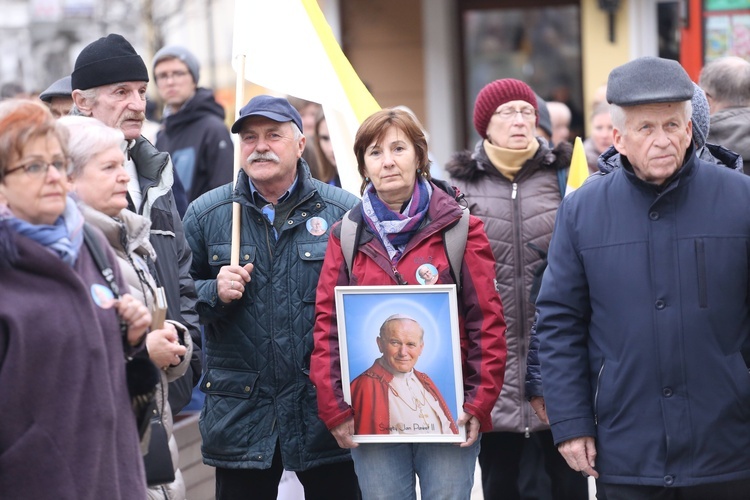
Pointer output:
x,y
384,404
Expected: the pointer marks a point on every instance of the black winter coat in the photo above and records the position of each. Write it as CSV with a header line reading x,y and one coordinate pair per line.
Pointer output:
x,y
199,143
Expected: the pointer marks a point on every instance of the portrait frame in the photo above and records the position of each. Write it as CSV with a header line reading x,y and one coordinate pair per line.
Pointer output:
x,y
361,311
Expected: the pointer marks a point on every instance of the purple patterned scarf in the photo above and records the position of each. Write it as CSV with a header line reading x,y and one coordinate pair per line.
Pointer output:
x,y
396,229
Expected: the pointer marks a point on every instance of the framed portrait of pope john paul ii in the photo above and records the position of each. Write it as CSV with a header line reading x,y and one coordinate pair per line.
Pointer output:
x,y
401,362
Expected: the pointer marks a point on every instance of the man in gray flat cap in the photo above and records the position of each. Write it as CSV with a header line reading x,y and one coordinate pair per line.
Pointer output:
x,y
644,316
58,97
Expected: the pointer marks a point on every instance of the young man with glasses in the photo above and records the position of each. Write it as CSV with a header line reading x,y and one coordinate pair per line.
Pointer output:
x,y
193,130
511,182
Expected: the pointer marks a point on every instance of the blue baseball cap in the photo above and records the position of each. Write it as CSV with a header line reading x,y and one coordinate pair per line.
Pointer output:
x,y
277,109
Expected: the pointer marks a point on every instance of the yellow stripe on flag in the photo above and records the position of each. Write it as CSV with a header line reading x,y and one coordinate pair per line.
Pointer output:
x,y
579,168
360,99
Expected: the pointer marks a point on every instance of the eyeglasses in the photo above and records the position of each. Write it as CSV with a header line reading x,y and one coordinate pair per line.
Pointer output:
x,y
39,168
510,113
174,75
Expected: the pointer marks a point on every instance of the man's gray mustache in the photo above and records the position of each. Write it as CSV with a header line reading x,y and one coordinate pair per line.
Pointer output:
x,y
263,157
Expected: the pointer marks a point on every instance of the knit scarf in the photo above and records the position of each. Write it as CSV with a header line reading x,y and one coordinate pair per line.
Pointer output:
x,y
509,161
396,229
64,237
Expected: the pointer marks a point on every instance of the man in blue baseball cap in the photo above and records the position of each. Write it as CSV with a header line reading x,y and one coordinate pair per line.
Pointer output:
x,y
644,318
260,415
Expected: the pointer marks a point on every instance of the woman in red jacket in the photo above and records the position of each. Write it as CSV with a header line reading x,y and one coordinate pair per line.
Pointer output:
x,y
402,218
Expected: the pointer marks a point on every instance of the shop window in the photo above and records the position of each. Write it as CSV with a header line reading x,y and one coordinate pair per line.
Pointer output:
x,y
668,21
539,44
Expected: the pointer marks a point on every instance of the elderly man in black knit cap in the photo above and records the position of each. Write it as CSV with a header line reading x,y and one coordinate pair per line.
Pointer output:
x,y
109,83
644,318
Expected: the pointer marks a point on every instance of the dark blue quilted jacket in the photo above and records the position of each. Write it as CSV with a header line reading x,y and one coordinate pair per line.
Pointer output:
x,y
258,348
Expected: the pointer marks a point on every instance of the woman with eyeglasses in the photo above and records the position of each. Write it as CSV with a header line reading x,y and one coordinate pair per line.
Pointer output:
x,y
513,181
68,429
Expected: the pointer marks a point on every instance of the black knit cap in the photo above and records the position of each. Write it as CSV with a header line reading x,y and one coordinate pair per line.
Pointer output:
x,y
110,59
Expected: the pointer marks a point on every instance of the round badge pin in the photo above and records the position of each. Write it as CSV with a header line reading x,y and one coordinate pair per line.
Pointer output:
x,y
103,296
427,274
317,226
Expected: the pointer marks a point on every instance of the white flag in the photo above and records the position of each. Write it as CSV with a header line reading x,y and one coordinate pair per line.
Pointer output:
x,y
290,48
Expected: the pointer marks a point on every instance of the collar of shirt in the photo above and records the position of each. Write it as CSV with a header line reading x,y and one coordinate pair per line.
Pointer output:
x,y
260,201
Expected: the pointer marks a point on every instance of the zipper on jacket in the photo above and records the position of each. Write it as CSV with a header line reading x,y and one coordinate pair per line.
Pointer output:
x,y
399,279
519,290
596,395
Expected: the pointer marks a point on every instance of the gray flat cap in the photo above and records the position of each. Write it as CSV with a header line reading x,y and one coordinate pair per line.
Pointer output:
x,y
648,80
61,88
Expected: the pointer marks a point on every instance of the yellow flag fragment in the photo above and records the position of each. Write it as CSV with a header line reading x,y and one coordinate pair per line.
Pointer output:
x,y
579,169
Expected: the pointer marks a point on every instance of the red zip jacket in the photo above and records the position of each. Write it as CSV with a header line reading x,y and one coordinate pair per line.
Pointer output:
x,y
481,322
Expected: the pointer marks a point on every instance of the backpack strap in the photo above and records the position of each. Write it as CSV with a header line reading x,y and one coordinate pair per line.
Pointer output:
x,y
454,240
348,240
101,260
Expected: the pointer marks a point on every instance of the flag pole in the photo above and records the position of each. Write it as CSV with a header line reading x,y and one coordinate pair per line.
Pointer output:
x,y
234,258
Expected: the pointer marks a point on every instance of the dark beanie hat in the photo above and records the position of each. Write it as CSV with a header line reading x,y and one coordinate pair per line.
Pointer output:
x,y
496,94
110,59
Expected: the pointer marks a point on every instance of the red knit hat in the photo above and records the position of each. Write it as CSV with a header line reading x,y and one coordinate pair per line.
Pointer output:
x,y
496,94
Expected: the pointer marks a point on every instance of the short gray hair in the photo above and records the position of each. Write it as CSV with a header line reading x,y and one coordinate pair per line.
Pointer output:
x,y
91,94
88,138
297,132
727,81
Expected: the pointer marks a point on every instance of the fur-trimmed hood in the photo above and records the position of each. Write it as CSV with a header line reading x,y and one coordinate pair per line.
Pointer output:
x,y
467,165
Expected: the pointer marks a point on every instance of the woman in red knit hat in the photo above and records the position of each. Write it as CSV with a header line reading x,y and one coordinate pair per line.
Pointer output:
x,y
513,182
